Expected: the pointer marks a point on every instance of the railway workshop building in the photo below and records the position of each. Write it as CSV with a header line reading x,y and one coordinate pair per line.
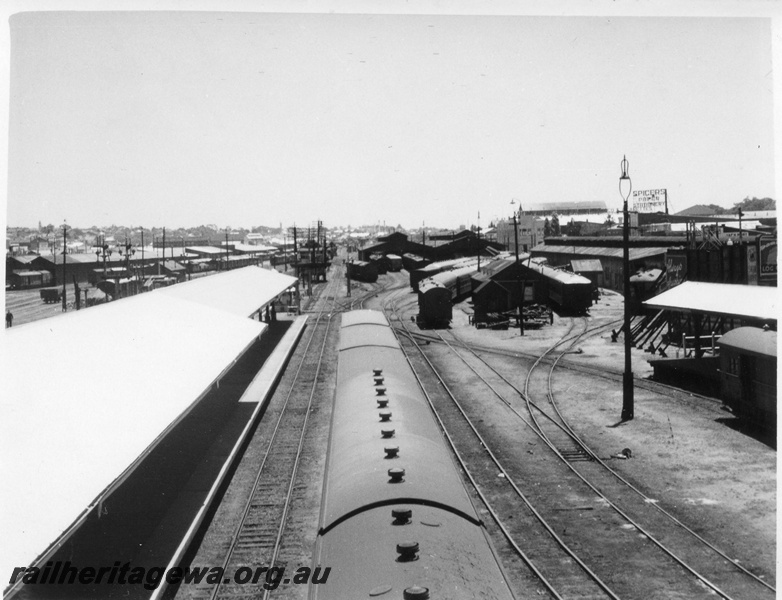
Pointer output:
x,y
136,394
455,245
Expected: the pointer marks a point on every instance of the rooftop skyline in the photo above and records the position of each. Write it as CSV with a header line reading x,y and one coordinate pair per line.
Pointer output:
x,y
250,118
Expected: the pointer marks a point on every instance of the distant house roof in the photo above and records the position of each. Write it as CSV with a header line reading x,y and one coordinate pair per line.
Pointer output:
x,y
251,248
209,250
698,210
25,259
173,266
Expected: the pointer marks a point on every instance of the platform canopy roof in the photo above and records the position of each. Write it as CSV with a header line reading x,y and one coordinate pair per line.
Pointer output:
x,y
88,393
241,292
720,299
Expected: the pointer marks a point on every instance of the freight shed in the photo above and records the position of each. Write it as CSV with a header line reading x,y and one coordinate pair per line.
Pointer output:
x,y
590,268
93,396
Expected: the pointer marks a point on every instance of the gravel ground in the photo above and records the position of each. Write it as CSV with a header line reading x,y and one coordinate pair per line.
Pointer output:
x,y
686,451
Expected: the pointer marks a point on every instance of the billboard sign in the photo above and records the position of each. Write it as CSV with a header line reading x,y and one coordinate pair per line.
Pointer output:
x,y
752,265
676,268
768,260
650,201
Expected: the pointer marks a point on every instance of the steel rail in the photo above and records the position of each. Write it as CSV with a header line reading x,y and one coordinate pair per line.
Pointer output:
x,y
594,577
538,429
261,470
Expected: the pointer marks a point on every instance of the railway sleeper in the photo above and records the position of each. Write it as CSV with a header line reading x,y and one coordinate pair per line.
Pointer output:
x,y
576,454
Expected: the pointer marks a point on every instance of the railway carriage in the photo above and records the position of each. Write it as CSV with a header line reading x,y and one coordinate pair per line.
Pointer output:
x,y
22,280
396,520
438,267
437,294
565,291
435,306
748,375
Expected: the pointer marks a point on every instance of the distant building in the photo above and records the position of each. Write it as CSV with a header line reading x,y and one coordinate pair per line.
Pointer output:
x,y
564,208
530,232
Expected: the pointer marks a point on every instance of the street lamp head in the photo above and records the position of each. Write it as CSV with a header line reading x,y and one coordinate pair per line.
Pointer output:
x,y
625,184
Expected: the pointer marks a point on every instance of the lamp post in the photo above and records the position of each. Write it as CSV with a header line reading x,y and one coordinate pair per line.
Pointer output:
x,y
479,241
226,248
625,187
64,250
740,214
128,252
143,273
519,282
103,251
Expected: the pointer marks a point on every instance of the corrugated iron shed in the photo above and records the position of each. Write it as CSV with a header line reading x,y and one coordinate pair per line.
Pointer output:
x,y
721,299
635,253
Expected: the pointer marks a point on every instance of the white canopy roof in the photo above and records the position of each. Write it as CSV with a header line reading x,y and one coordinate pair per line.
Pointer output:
x,y
748,301
88,392
241,292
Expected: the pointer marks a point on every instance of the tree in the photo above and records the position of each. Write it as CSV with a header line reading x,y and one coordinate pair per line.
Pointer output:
x,y
755,204
546,228
609,222
555,229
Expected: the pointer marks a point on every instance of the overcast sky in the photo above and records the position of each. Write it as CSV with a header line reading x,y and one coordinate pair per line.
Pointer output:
x,y
251,118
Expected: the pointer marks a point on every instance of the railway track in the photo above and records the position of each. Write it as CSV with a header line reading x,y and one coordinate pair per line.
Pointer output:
x,y
550,561
677,394
682,544
255,539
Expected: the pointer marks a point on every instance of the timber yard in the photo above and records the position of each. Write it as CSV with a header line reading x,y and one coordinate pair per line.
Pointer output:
x,y
402,416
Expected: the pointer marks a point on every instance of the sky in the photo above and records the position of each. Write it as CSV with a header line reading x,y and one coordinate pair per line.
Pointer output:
x,y
230,115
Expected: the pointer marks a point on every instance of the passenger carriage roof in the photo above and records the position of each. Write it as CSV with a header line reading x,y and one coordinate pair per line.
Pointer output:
x,y
361,317
369,334
751,340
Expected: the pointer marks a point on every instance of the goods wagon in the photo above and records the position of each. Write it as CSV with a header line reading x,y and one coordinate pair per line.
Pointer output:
x,y
396,520
360,270
51,295
380,263
411,262
393,262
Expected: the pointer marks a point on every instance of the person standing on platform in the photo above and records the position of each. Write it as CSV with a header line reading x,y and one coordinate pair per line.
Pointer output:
x,y
9,319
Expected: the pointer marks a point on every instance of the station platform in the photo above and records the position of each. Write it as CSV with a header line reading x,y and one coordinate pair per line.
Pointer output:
x,y
93,395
